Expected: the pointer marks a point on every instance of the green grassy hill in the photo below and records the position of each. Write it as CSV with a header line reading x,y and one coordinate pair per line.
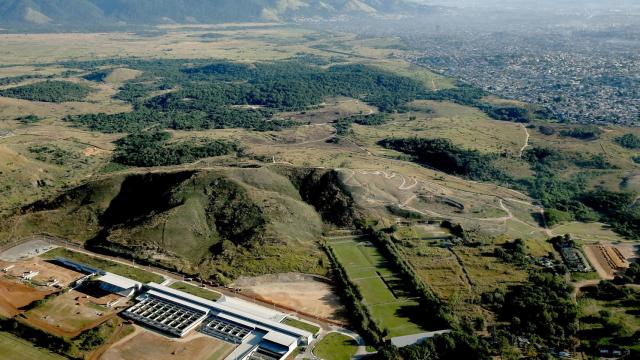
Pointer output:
x,y
226,222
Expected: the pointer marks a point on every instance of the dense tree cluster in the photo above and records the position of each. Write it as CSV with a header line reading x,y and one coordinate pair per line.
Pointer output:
x,y
227,94
48,91
546,130
29,119
507,113
452,346
443,155
587,132
368,119
630,141
152,148
512,252
618,209
630,276
97,76
540,158
541,309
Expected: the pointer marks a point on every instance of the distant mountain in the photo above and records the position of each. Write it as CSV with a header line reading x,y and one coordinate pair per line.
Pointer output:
x,y
146,12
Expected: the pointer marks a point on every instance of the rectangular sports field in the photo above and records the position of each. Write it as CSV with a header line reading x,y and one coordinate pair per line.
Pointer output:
x,y
383,291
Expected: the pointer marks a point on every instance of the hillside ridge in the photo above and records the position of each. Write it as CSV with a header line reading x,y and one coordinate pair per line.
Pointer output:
x,y
21,13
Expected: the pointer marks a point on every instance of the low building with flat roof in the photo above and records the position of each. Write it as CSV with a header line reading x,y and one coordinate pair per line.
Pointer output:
x,y
177,313
117,284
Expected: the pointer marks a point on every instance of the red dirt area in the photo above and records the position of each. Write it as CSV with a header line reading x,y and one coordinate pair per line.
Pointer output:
x,y
48,272
14,295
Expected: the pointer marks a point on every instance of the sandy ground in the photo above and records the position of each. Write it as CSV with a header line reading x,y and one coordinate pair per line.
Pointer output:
x,y
600,264
148,345
15,295
47,271
295,291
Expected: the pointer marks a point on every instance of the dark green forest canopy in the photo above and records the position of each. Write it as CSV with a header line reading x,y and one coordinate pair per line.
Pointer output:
x,y
152,148
49,91
445,156
630,141
210,95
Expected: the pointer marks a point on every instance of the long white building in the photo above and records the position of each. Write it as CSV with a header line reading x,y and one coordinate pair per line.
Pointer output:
x,y
258,335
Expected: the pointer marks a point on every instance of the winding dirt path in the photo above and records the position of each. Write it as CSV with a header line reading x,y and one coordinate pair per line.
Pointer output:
x,y
526,140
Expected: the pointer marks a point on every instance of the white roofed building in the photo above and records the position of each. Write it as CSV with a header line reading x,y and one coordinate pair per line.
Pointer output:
x,y
256,330
117,284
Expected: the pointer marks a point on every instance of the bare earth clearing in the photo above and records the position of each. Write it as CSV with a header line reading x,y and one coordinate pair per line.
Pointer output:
x,y
47,271
295,291
13,296
600,264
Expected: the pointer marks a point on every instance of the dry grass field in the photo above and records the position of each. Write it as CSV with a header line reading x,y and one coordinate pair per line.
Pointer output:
x,y
146,345
68,314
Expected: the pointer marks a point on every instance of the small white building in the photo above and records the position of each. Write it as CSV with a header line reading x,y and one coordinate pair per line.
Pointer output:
x,y
118,284
30,274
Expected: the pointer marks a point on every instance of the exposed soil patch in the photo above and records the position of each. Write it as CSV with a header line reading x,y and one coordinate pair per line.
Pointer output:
x,y
295,291
14,295
600,263
47,272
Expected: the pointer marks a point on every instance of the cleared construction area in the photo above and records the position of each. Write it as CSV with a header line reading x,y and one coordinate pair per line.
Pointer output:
x,y
608,259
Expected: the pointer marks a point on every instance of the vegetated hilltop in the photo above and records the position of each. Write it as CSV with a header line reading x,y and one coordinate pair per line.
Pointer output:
x,y
141,12
227,222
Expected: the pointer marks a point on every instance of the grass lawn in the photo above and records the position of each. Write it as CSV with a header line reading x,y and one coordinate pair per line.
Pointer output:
x,y
336,347
12,347
578,276
383,292
301,325
106,265
197,291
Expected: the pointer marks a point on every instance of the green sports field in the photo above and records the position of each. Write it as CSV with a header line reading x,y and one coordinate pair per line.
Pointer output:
x,y
383,291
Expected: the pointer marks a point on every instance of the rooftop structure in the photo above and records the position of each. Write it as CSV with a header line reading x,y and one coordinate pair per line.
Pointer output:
x,y
254,328
79,267
119,284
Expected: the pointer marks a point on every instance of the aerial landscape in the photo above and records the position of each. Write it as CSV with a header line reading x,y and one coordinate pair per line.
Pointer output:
x,y
340,179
